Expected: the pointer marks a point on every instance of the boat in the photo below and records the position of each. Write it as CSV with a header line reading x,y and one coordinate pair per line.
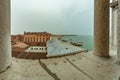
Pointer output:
x,y
77,43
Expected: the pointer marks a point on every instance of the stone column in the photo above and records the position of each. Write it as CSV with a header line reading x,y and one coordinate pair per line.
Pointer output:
x,y
101,28
118,32
5,39
114,27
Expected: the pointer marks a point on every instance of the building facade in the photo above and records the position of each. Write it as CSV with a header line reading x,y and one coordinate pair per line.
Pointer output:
x,y
37,49
36,38
54,37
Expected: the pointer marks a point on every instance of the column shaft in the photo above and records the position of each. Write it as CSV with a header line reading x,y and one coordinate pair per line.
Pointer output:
x,y
118,31
5,39
101,28
114,27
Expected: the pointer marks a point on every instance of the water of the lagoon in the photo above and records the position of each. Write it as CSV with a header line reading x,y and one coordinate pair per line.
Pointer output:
x,y
87,40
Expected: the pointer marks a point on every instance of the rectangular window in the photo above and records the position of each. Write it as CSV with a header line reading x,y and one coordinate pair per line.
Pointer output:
x,y
35,48
31,48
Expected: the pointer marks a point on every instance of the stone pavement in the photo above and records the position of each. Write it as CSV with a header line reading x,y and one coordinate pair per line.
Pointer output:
x,y
81,66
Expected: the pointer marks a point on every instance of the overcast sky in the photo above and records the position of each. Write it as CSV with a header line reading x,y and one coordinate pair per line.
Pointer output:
x,y
54,16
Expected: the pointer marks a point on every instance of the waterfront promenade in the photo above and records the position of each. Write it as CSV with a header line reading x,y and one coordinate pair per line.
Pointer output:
x,y
56,48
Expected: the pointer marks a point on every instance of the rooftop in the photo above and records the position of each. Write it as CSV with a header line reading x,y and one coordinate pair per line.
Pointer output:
x,y
20,45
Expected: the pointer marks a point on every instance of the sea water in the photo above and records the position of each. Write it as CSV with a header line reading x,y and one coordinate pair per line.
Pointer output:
x,y
87,40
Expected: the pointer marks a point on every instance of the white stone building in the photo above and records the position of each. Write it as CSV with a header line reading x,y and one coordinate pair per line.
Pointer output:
x,y
37,49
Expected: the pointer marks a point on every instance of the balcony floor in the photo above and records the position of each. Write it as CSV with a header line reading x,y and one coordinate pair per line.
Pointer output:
x,y
80,66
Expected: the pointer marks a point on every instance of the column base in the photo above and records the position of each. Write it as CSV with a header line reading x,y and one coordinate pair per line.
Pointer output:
x,y
2,71
100,55
118,61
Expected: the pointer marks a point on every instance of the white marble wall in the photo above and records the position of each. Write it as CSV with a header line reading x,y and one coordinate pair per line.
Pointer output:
x,y
37,49
5,40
